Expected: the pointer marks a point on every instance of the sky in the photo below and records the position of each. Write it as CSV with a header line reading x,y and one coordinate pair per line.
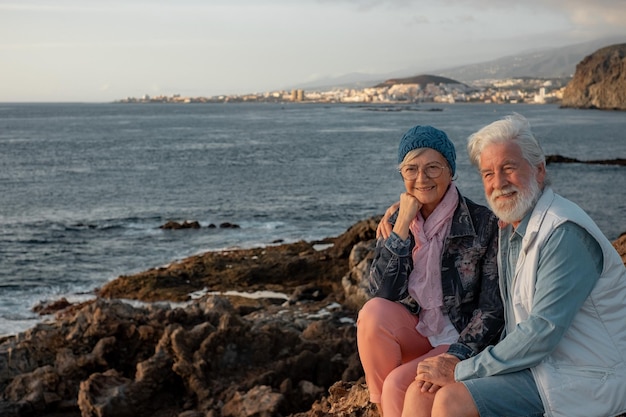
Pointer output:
x,y
102,51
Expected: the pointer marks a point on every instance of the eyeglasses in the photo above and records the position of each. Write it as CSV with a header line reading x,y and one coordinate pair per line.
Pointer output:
x,y
411,172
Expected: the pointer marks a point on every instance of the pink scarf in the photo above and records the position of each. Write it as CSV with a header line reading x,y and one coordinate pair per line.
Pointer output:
x,y
425,279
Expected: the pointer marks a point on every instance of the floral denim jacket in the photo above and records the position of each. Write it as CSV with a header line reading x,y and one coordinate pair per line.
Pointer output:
x,y
469,276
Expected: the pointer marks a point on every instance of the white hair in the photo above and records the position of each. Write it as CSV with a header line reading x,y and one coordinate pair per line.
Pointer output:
x,y
513,128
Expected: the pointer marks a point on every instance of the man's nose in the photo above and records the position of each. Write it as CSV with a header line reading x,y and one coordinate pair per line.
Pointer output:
x,y
500,180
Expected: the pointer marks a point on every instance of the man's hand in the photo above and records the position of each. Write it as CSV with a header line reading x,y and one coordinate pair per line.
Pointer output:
x,y
436,372
384,227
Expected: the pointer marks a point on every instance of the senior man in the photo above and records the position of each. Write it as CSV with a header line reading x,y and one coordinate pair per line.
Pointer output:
x,y
563,350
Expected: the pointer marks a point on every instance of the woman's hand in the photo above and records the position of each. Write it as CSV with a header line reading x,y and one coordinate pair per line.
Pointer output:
x,y
384,227
409,206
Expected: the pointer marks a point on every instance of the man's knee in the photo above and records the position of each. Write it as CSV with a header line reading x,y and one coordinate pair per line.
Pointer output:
x,y
416,402
454,400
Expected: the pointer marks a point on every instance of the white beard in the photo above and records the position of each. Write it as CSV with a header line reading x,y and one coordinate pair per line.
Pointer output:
x,y
515,210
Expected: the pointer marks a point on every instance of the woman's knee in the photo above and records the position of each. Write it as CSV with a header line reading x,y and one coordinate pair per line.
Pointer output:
x,y
372,316
373,309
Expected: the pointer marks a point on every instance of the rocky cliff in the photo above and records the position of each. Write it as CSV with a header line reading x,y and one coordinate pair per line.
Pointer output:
x,y
206,355
599,81
162,344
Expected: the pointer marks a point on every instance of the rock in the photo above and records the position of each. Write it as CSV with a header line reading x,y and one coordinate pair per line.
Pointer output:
x,y
113,359
355,283
172,225
227,225
208,357
345,399
280,268
49,307
599,81
550,159
260,401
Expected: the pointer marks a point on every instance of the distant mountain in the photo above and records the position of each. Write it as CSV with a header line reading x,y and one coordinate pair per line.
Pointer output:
x,y
418,79
355,80
541,63
547,63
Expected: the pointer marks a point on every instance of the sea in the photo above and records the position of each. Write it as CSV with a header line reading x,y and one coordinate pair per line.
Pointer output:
x,y
84,188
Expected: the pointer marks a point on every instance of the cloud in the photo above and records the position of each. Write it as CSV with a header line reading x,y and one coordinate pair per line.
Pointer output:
x,y
420,20
597,13
579,12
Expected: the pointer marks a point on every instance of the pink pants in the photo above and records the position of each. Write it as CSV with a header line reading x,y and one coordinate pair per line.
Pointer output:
x,y
390,348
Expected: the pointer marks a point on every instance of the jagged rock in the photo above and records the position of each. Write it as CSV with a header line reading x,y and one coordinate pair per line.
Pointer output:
x,y
280,268
551,159
599,81
355,283
208,357
260,401
345,399
172,225
49,307
103,394
228,225
115,359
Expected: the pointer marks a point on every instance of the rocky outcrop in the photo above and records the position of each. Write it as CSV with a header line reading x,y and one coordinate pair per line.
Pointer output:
x,y
599,81
560,159
209,355
187,224
206,355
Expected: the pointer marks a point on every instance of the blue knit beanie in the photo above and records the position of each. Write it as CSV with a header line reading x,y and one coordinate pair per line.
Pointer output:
x,y
427,137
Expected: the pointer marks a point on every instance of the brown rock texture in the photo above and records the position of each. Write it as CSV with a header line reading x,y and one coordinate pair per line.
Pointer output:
x,y
145,348
599,81
620,245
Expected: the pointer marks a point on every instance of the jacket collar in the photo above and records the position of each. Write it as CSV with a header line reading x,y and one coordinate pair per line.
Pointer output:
x,y
462,224
537,216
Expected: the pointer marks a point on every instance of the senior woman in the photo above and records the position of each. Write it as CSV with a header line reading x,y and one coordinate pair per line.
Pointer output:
x,y
433,280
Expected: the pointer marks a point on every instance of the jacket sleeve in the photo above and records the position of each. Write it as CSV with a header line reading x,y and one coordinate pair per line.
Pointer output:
x,y
392,264
570,263
487,321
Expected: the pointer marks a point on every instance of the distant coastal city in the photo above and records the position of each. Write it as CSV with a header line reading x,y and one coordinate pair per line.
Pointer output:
x,y
430,89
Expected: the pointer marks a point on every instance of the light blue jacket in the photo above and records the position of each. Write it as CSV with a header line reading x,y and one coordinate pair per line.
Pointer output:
x,y
585,373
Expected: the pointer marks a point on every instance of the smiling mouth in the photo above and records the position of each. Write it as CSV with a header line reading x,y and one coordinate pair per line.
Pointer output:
x,y
506,195
425,188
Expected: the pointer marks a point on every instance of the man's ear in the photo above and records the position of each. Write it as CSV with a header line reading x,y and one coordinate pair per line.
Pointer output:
x,y
541,175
